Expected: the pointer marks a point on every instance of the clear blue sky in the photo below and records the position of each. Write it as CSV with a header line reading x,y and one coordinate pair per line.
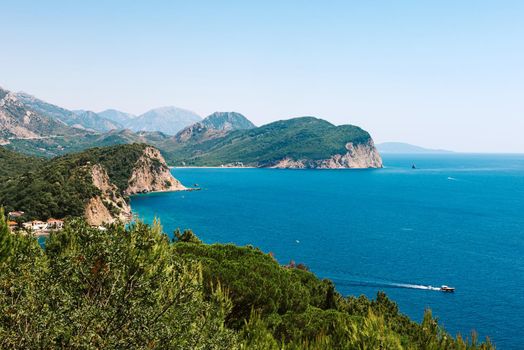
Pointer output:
x,y
447,74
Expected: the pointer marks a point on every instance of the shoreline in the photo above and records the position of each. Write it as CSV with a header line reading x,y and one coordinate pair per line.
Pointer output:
x,y
212,167
185,189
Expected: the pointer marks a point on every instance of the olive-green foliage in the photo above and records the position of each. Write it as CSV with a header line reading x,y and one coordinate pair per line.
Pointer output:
x,y
13,163
61,186
257,281
5,237
281,307
114,289
186,236
61,145
299,138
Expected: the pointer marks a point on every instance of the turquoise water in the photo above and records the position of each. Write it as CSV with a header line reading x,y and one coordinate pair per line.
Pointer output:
x,y
456,220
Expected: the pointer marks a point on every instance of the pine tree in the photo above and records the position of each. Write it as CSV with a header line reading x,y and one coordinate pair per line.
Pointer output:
x,y
6,244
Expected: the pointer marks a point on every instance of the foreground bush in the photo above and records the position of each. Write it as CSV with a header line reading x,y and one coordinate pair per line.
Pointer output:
x,y
114,289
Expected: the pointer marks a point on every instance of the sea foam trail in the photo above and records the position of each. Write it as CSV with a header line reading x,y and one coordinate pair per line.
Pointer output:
x,y
415,286
387,285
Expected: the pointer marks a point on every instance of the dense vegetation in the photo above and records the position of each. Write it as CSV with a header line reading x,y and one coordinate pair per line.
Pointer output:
x,y
61,145
13,163
299,138
133,288
61,186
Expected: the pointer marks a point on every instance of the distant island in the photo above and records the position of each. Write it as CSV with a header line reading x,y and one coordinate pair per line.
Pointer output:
x,y
406,148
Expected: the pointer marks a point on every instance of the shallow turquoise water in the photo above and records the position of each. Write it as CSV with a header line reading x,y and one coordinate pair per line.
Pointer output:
x,y
456,220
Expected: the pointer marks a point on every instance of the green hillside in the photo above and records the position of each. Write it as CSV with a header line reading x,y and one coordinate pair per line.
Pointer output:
x,y
52,147
13,163
298,138
61,186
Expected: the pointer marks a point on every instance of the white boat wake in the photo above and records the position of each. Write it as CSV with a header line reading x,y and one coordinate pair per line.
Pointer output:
x,y
387,285
414,286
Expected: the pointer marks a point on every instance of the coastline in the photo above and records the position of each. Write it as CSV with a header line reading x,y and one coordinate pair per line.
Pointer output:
x,y
185,189
212,167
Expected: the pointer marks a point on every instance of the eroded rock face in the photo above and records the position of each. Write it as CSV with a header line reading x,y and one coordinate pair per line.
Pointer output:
x,y
96,213
359,156
288,163
110,206
151,174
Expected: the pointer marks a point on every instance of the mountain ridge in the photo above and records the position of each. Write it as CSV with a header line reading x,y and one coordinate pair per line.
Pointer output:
x,y
81,119
167,119
19,122
215,125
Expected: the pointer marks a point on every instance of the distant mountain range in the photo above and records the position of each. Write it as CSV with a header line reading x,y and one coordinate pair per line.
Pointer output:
x,y
17,121
81,119
400,147
35,127
168,120
116,116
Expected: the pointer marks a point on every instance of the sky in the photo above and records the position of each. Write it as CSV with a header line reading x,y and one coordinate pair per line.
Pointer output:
x,y
441,74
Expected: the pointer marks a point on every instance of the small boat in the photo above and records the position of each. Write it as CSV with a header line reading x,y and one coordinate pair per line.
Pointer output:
x,y
413,166
447,289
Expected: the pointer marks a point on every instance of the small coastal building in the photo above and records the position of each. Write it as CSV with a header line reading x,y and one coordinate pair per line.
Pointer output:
x,y
15,214
35,225
39,225
55,224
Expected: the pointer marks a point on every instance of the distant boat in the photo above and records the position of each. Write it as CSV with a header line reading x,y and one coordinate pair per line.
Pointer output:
x,y
413,166
447,289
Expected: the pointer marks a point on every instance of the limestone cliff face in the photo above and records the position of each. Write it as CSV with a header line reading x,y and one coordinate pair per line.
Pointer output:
x,y
96,213
110,205
151,174
360,156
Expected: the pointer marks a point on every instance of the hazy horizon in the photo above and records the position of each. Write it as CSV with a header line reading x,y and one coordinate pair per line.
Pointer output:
x,y
443,75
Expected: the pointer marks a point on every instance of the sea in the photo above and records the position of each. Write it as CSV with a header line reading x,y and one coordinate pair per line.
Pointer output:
x,y
456,220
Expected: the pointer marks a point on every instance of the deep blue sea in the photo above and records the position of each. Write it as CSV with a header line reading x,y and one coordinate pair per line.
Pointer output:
x,y
456,220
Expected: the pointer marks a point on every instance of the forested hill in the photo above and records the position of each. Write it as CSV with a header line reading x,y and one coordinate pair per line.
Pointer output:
x,y
98,178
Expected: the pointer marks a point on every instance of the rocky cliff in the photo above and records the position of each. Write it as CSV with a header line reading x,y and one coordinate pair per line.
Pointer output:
x,y
149,174
109,206
360,156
